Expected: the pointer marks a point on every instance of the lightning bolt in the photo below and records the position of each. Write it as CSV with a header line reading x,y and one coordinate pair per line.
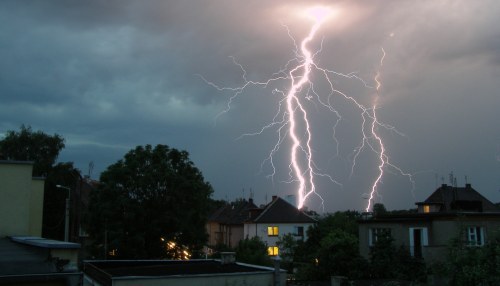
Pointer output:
x,y
292,121
382,157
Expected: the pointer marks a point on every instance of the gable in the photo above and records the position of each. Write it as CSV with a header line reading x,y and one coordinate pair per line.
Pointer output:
x,y
280,211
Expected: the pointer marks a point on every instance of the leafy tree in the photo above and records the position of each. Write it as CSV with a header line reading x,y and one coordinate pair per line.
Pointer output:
x,y
151,198
43,150
389,262
339,255
288,246
467,265
379,210
54,202
253,251
331,248
27,145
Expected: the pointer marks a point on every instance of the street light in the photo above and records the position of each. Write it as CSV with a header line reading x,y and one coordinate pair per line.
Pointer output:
x,y
66,220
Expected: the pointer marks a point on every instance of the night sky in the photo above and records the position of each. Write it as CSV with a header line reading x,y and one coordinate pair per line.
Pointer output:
x,y
110,75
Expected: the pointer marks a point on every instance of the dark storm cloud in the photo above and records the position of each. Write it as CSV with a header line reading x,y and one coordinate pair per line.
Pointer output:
x,y
110,75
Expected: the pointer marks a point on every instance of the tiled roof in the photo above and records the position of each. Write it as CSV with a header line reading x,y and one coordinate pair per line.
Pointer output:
x,y
234,213
281,211
460,198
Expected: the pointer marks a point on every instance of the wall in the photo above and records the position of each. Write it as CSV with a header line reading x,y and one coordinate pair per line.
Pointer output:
x,y
15,190
247,279
21,200
36,206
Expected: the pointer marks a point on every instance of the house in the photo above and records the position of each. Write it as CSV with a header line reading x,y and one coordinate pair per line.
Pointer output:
x,y
450,212
25,257
276,219
225,225
180,272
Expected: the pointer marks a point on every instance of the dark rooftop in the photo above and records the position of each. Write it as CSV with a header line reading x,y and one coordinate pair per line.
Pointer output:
x,y
452,198
234,213
168,267
281,211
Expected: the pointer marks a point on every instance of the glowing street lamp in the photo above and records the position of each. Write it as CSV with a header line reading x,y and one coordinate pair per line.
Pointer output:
x,y
66,220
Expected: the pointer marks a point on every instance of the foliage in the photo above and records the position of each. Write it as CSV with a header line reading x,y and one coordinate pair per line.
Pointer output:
x,y
474,265
379,210
26,145
54,202
254,251
288,246
152,196
43,150
331,248
389,262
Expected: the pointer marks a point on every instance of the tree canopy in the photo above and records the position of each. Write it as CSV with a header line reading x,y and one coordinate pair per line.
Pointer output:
x,y
152,198
26,145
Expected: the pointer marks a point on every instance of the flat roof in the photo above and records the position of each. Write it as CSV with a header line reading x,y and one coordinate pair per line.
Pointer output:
x,y
45,243
158,268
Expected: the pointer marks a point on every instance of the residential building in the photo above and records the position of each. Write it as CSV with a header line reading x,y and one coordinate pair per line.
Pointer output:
x,y
21,199
450,212
276,219
225,225
25,257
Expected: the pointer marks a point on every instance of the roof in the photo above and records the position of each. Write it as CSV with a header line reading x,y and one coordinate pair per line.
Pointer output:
x,y
452,198
17,259
234,213
45,243
281,211
428,217
106,271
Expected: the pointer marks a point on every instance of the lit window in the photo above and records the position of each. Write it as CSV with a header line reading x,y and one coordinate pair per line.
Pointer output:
x,y
475,236
272,231
272,250
427,209
377,233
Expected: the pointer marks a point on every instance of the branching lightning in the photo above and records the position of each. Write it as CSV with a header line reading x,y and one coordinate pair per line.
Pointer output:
x,y
292,122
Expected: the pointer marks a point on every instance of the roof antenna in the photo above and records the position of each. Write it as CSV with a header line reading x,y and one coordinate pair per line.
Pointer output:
x,y
466,181
251,194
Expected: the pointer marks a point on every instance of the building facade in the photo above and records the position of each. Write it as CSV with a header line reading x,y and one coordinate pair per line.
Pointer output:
x,y
21,199
448,213
275,220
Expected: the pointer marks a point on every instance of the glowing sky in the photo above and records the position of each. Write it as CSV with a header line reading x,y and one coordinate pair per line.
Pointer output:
x,y
110,75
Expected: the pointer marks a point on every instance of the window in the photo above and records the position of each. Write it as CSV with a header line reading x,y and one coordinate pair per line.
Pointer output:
x,y
419,238
272,231
475,236
273,251
376,233
298,231
427,209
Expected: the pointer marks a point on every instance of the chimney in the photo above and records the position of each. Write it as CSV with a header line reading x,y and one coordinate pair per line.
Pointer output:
x,y
250,200
275,197
468,186
227,258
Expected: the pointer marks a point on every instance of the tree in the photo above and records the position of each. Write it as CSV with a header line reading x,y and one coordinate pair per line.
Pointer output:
x,y
253,251
27,145
469,265
331,248
150,200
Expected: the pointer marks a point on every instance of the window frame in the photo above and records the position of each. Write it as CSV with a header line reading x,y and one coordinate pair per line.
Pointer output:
x,y
273,231
475,236
273,250
375,232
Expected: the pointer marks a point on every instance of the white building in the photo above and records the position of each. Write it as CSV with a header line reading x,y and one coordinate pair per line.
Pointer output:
x,y
276,219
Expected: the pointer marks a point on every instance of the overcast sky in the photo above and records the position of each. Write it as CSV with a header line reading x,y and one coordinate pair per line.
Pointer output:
x,y
110,75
